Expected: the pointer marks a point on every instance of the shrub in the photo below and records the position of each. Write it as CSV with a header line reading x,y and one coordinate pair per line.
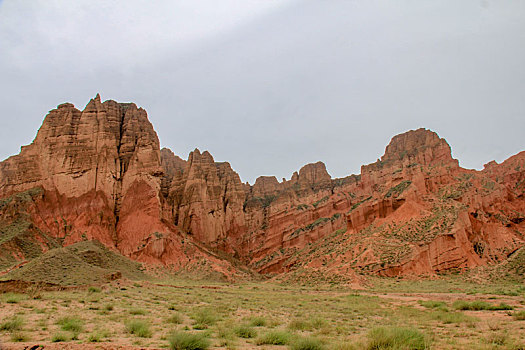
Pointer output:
x,y
497,339
274,338
95,337
94,290
188,341
299,325
14,324
452,317
12,298
318,323
17,337
345,346
176,319
307,344
257,321
396,338
204,318
60,337
108,307
520,316
137,312
139,328
245,331
71,324
478,305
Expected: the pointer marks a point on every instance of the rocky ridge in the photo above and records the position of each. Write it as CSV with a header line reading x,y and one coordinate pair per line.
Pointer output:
x,y
100,174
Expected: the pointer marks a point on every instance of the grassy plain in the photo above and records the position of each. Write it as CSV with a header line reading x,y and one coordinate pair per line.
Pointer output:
x,y
185,314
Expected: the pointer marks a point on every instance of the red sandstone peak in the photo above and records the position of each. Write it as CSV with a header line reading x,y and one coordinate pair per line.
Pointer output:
x,y
421,145
265,185
171,162
314,175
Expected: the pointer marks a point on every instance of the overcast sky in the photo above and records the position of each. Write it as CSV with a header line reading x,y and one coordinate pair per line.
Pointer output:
x,y
270,85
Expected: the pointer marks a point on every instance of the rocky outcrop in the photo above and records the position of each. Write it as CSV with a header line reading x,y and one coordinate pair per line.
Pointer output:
x,y
103,176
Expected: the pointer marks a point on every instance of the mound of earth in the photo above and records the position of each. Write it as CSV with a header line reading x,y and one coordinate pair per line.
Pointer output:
x,y
83,263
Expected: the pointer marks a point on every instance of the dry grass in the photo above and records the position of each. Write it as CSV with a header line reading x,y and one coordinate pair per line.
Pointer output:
x,y
250,315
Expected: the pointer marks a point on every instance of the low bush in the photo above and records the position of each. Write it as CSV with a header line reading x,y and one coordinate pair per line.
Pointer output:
x,y
139,328
14,324
17,337
257,321
307,344
12,298
383,338
519,316
274,338
204,318
245,331
433,304
71,324
137,312
188,341
176,318
452,317
479,305
300,325
60,337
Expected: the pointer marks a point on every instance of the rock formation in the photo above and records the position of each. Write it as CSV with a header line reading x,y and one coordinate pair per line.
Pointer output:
x,y
100,174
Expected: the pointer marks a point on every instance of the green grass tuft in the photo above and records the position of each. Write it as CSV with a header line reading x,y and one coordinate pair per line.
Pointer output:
x,y
71,324
176,318
307,344
14,324
204,318
479,305
257,321
188,341
137,312
519,316
274,338
139,328
60,337
396,338
245,331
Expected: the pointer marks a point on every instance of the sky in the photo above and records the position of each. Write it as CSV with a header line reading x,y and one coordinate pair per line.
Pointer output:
x,y
271,85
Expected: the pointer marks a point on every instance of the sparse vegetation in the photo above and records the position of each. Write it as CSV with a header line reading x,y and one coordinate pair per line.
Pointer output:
x,y
176,318
308,343
204,318
137,312
396,338
245,331
71,324
519,316
478,305
257,321
276,337
13,324
188,341
139,328
17,337
250,314
60,337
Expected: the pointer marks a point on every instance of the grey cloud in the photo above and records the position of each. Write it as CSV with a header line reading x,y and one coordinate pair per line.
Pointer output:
x,y
294,83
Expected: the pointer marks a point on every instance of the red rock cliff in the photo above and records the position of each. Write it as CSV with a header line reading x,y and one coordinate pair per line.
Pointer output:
x,y
413,211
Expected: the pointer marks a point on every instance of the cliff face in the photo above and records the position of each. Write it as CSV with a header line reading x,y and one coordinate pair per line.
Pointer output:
x,y
101,175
